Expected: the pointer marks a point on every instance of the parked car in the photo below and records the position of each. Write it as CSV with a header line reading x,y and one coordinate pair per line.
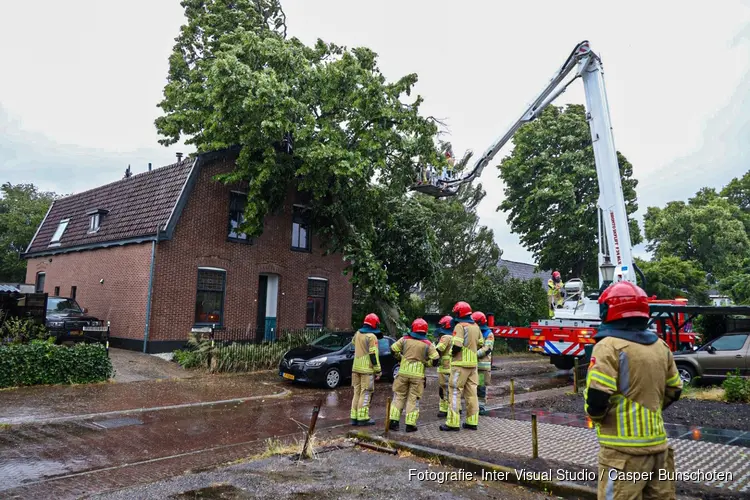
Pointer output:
x,y
715,359
329,359
66,319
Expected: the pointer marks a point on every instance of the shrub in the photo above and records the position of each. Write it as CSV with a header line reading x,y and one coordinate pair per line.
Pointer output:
x,y
42,362
21,331
736,388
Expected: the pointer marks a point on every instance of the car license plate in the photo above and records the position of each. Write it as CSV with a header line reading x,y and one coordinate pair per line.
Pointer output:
x,y
76,332
288,375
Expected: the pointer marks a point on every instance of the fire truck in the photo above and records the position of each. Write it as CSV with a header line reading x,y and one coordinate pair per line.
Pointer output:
x,y
563,336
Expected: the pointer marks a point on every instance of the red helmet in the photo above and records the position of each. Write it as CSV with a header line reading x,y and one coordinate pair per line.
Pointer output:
x,y
419,326
445,322
479,318
462,309
556,275
623,300
372,321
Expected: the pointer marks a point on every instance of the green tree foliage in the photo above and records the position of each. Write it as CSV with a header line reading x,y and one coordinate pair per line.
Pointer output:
x,y
708,229
671,277
737,284
22,208
236,79
738,192
552,190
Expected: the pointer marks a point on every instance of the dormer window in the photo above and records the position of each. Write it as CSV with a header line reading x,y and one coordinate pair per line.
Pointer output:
x,y
59,232
95,219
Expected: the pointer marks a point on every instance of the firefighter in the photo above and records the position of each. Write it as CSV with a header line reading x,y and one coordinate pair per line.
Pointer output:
x,y
445,330
484,360
631,379
366,369
554,292
467,338
414,351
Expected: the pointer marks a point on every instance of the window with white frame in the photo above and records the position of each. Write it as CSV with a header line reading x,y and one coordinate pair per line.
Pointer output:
x,y
317,301
300,229
59,232
237,202
94,223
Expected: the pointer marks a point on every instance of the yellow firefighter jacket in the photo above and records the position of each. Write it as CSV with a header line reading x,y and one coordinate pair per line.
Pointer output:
x,y
444,348
638,378
415,354
468,336
364,345
484,355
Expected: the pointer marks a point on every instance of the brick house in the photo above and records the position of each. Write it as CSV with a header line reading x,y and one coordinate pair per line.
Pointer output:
x,y
156,254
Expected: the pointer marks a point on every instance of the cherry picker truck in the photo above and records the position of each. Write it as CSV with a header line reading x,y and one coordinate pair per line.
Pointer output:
x,y
573,325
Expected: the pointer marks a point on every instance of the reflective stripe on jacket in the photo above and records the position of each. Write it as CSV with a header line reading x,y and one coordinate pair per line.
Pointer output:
x,y
468,336
364,345
415,354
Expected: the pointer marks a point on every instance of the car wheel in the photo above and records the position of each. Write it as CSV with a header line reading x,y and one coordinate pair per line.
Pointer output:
x,y
394,373
333,378
687,374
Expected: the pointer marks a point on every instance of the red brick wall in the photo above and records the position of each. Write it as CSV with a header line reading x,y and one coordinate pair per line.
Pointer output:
x,y
200,240
121,299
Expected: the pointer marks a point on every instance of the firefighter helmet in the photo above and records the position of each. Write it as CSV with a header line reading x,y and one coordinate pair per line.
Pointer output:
x,y
623,300
419,326
445,322
479,318
372,321
556,276
462,309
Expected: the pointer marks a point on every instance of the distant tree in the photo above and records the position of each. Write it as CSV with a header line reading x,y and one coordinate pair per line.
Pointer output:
x,y
671,277
513,301
22,208
738,191
708,230
551,191
737,284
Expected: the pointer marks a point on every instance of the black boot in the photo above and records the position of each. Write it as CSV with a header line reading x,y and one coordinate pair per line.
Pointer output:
x,y
363,423
483,411
354,422
449,428
393,426
469,426
442,414
411,428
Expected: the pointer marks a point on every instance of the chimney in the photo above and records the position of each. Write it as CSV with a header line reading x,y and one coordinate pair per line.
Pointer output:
x,y
179,156
127,173
149,167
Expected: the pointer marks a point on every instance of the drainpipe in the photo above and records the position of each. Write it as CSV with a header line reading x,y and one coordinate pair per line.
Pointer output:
x,y
150,290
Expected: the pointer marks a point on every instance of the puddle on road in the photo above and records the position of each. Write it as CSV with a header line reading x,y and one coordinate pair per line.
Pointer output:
x,y
221,492
21,471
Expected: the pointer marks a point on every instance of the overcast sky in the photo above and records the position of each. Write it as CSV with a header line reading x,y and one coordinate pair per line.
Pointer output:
x,y
81,79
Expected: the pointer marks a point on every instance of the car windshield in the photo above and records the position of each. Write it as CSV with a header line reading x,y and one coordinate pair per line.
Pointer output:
x,y
332,342
58,305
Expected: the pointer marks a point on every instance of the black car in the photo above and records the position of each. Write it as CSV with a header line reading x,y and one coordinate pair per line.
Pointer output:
x,y
66,319
329,359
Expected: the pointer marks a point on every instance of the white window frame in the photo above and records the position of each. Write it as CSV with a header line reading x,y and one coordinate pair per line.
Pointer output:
x,y
62,226
94,221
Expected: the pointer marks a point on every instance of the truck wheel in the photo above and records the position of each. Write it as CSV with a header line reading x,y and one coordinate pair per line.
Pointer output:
x,y
687,374
562,362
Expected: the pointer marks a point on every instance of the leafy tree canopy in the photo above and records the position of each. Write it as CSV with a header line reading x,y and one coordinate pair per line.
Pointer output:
x,y
22,208
738,191
709,230
552,190
671,277
737,284
353,138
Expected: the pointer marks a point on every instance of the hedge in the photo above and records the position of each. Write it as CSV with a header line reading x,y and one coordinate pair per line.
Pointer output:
x,y
42,362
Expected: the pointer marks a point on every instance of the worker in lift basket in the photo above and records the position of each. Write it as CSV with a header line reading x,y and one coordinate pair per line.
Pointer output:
x,y
554,292
366,369
631,378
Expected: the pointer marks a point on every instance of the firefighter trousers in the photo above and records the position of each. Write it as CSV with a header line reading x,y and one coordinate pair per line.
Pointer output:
x,y
485,377
407,391
364,387
462,382
443,382
618,482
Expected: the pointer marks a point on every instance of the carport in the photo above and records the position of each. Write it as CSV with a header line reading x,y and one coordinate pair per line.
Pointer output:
x,y
662,312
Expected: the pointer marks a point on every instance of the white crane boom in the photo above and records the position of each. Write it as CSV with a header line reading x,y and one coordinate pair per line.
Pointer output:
x,y
613,221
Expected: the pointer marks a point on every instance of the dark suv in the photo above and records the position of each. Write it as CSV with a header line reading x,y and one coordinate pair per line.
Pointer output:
x,y
66,319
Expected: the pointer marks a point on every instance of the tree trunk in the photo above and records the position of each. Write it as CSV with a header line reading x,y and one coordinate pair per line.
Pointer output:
x,y
390,316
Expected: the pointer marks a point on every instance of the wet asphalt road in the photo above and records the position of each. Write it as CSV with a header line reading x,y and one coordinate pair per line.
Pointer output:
x,y
66,459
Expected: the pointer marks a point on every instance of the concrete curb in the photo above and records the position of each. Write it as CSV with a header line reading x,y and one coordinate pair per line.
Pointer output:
x,y
557,488
71,418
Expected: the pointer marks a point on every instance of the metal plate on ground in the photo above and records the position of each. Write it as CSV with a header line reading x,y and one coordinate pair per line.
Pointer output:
x,y
114,423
